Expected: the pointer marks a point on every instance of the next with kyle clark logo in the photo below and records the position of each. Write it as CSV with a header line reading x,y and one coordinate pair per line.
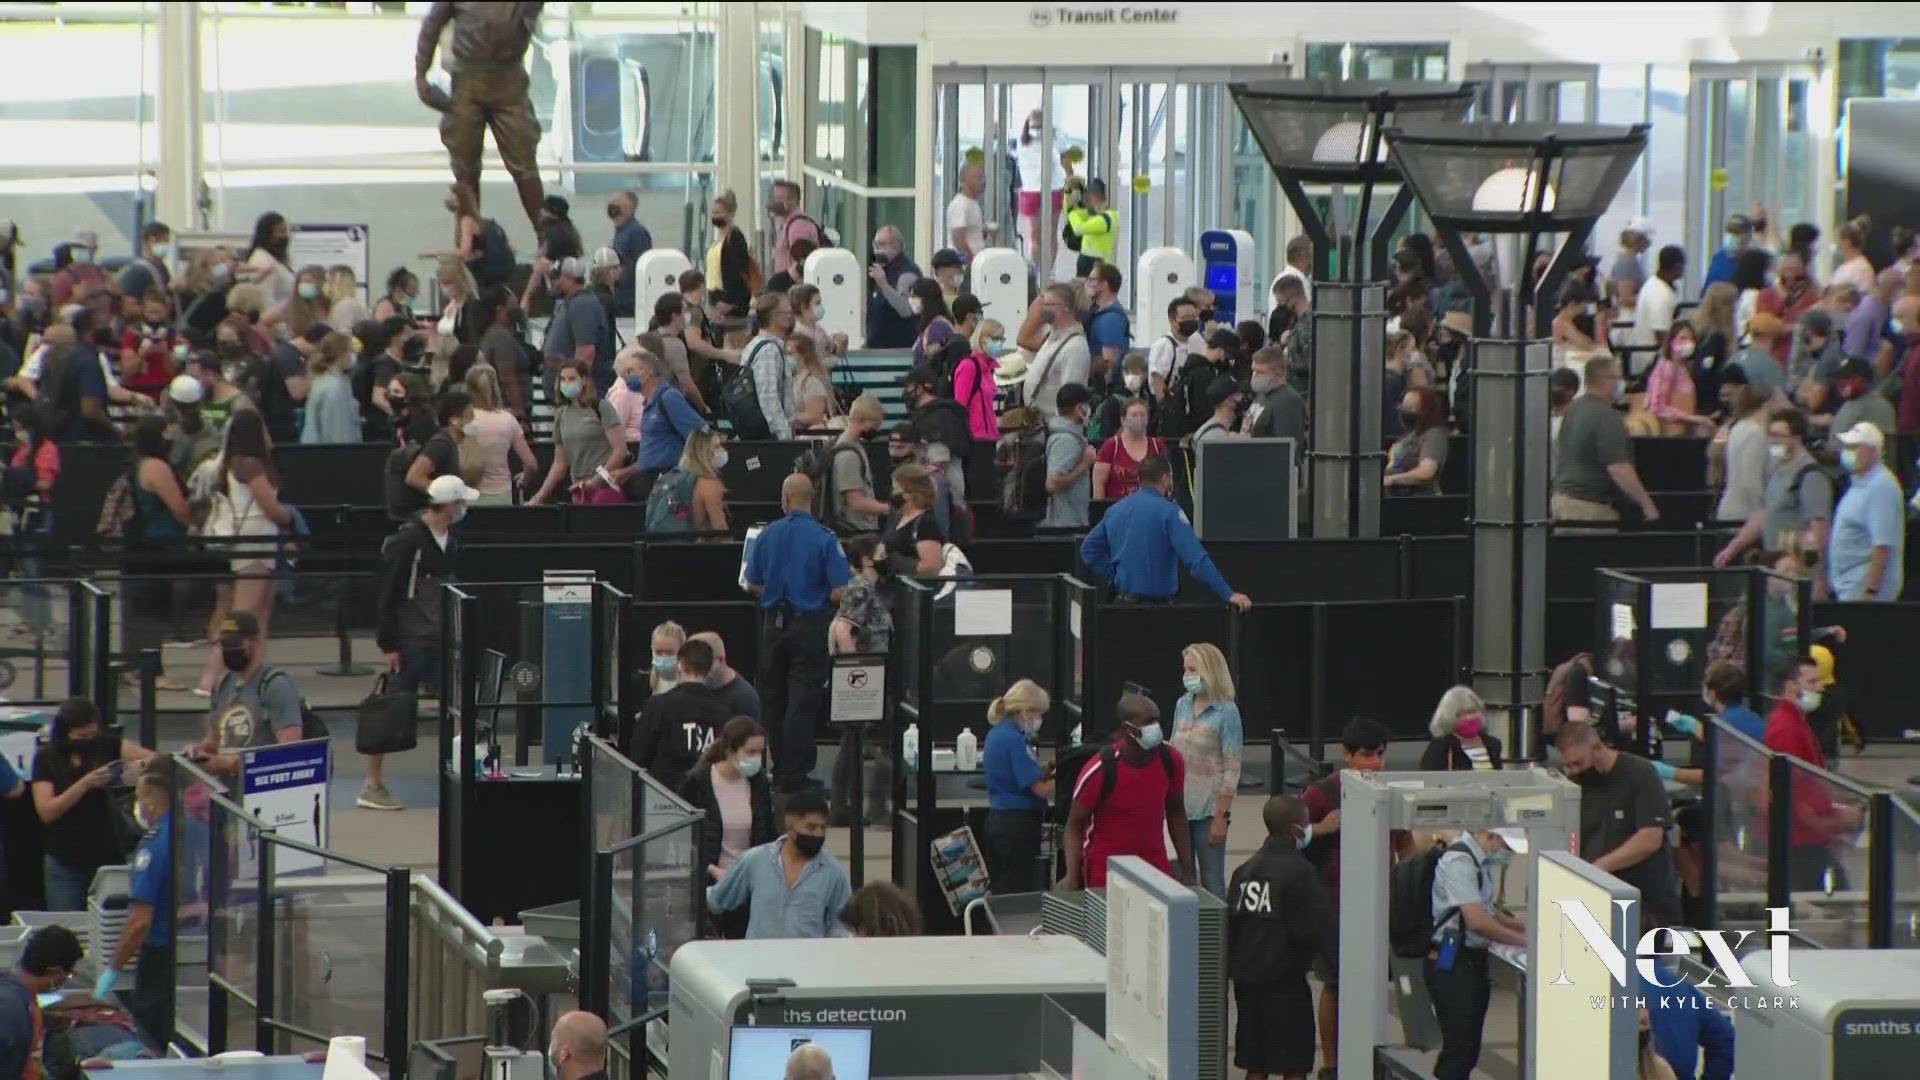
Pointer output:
x,y
1722,960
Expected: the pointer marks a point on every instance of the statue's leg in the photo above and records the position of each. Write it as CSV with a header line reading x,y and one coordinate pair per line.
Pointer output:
x,y
516,134
462,127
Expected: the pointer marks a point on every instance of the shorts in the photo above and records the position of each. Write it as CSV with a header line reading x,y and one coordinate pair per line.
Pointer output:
x,y
1273,1032
1329,973
1030,203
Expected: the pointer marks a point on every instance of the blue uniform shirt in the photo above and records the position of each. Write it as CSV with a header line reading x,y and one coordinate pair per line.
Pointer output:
x,y
1745,721
1140,545
152,862
1011,768
797,561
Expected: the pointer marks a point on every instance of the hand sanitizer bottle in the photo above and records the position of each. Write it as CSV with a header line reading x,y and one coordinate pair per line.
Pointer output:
x,y
966,751
910,746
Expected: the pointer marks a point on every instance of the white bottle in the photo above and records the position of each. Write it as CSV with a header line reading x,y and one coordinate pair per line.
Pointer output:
x,y
910,746
966,751
1075,735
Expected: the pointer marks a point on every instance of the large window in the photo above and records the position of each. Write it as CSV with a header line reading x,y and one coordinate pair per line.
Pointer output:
x,y
1359,60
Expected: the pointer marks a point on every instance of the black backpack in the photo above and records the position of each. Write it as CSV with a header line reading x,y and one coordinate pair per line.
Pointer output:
x,y
496,262
311,726
1021,457
1075,761
1410,921
742,400
817,465
1188,408
1072,239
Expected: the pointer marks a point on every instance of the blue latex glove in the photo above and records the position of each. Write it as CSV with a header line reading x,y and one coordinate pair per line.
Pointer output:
x,y
104,985
1685,725
1665,771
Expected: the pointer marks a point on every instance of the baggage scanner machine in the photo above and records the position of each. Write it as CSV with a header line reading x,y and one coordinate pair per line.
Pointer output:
x,y
937,1006
1850,1013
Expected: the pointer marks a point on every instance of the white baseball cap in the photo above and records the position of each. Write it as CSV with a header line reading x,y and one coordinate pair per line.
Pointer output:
x,y
450,489
1515,838
1640,225
186,390
1863,434
605,258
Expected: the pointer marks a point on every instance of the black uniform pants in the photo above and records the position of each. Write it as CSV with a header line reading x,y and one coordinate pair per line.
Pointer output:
x,y
1460,998
794,644
1013,850
151,1002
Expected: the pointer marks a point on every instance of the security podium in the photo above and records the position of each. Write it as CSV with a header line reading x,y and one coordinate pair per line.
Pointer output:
x,y
1372,806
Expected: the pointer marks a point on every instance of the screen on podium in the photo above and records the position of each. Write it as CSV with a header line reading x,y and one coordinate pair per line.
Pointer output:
x,y
761,1053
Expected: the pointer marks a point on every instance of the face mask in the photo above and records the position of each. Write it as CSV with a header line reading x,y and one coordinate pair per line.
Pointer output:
x,y
809,846
665,663
996,349
83,256
1305,838
1469,727
1134,426
235,657
633,383
1776,452
1149,736
749,766
459,515
1729,243
1188,327
220,273
913,303
163,253
1849,459
309,290
1133,383
1681,350
1408,417
1809,700
719,459
719,223
1499,859
570,390
612,212
1192,683
1032,727
1261,384
180,353
819,311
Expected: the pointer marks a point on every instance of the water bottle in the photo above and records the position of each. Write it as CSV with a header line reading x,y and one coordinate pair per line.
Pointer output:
x,y
1075,735
966,751
910,746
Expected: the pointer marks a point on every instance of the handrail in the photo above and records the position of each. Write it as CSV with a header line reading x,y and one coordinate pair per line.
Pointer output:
x,y
440,900
1865,791
621,847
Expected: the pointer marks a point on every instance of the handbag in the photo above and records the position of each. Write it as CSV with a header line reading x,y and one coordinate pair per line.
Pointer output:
x,y
389,720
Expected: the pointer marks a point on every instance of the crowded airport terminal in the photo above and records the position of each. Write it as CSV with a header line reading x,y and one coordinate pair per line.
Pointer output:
x,y
1181,541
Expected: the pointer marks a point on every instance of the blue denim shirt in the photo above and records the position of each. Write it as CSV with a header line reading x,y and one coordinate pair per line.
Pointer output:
x,y
810,909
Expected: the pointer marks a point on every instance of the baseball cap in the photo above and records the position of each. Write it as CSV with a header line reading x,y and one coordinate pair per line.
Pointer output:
x,y
1459,322
920,376
450,489
1739,224
1765,323
239,626
555,205
1640,225
1863,434
573,268
1224,339
1222,388
946,258
1854,368
1823,660
1817,322
605,258
86,238
1515,838
186,390
967,305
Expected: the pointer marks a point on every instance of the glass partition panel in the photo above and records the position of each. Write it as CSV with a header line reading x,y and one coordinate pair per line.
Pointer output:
x,y
46,646
1740,826
1827,858
197,898
330,950
653,914
1905,839
989,632
614,794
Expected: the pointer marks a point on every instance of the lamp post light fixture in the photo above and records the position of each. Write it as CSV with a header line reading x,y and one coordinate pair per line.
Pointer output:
x,y
1332,132
1521,183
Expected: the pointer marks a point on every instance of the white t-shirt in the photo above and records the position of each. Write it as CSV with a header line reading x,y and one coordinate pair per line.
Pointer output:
x,y
1028,157
1654,314
1062,359
1164,356
964,214
277,284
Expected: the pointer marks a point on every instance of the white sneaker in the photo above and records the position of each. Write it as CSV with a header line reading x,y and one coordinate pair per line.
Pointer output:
x,y
377,797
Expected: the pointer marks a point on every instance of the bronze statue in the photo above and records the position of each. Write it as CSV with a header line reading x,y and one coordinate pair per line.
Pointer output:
x,y
486,55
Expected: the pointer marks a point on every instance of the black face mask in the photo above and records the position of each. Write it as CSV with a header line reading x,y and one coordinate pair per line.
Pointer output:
x,y
1188,327
413,351
1207,315
719,222
613,212
1409,417
235,657
808,845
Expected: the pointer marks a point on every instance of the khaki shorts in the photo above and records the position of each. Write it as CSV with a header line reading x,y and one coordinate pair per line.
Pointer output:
x,y
495,100
1599,516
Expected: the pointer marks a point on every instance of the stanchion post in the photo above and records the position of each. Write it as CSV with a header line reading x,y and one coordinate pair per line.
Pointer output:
x,y
857,827
263,1016
346,668
1779,830
1882,878
150,698
398,976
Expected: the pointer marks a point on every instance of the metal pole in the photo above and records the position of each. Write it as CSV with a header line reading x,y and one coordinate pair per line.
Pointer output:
x,y
1779,830
398,980
1882,875
106,681
266,973
857,828
149,698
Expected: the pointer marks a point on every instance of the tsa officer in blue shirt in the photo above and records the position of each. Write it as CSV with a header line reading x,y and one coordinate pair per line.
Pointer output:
x,y
1019,790
148,932
797,570
1144,539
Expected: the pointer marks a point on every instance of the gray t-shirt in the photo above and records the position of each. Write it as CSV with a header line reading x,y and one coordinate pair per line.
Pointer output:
x,y
1626,268
580,320
251,713
1746,470
1762,369
1407,454
1870,407
582,435
1593,435
850,476
1794,501
676,354
1067,508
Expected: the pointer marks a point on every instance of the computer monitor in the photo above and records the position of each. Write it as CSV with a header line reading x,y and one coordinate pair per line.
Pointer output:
x,y
760,1053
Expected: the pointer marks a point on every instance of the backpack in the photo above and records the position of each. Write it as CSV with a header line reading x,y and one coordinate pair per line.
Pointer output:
x,y
742,400
1410,921
945,363
311,725
1188,407
1073,239
1553,710
119,518
1021,457
817,465
1109,758
756,278
670,503
496,262
402,499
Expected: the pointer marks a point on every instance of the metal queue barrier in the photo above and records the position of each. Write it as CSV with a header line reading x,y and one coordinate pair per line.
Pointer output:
x,y
279,959
645,898
525,664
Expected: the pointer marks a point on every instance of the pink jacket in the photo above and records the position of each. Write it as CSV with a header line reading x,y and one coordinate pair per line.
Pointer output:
x,y
974,389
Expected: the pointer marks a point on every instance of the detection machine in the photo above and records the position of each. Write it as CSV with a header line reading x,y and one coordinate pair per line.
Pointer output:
x,y
655,273
1849,1013
843,285
1160,276
1000,280
1226,270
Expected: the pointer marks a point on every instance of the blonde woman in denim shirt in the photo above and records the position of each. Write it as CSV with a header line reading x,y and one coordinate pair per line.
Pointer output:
x,y
1207,732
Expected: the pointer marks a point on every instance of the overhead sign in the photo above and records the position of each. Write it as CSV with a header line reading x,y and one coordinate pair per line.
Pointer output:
x,y
1044,16
330,246
284,789
859,690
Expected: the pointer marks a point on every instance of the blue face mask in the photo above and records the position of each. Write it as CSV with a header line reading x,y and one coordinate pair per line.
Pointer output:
x,y
664,665
1149,736
719,459
633,382
460,515
309,291
1192,683
570,390
1305,838
1849,459
996,349
1499,859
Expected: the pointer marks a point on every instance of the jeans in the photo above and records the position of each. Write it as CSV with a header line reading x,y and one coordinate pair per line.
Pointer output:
x,y
797,668
1211,858
1460,1001
419,668
67,886
31,539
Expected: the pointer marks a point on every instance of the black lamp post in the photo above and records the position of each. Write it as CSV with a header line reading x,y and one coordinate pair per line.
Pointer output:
x,y
1519,182
1329,131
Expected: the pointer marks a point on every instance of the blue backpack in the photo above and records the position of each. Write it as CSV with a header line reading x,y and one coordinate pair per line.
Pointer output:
x,y
670,503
